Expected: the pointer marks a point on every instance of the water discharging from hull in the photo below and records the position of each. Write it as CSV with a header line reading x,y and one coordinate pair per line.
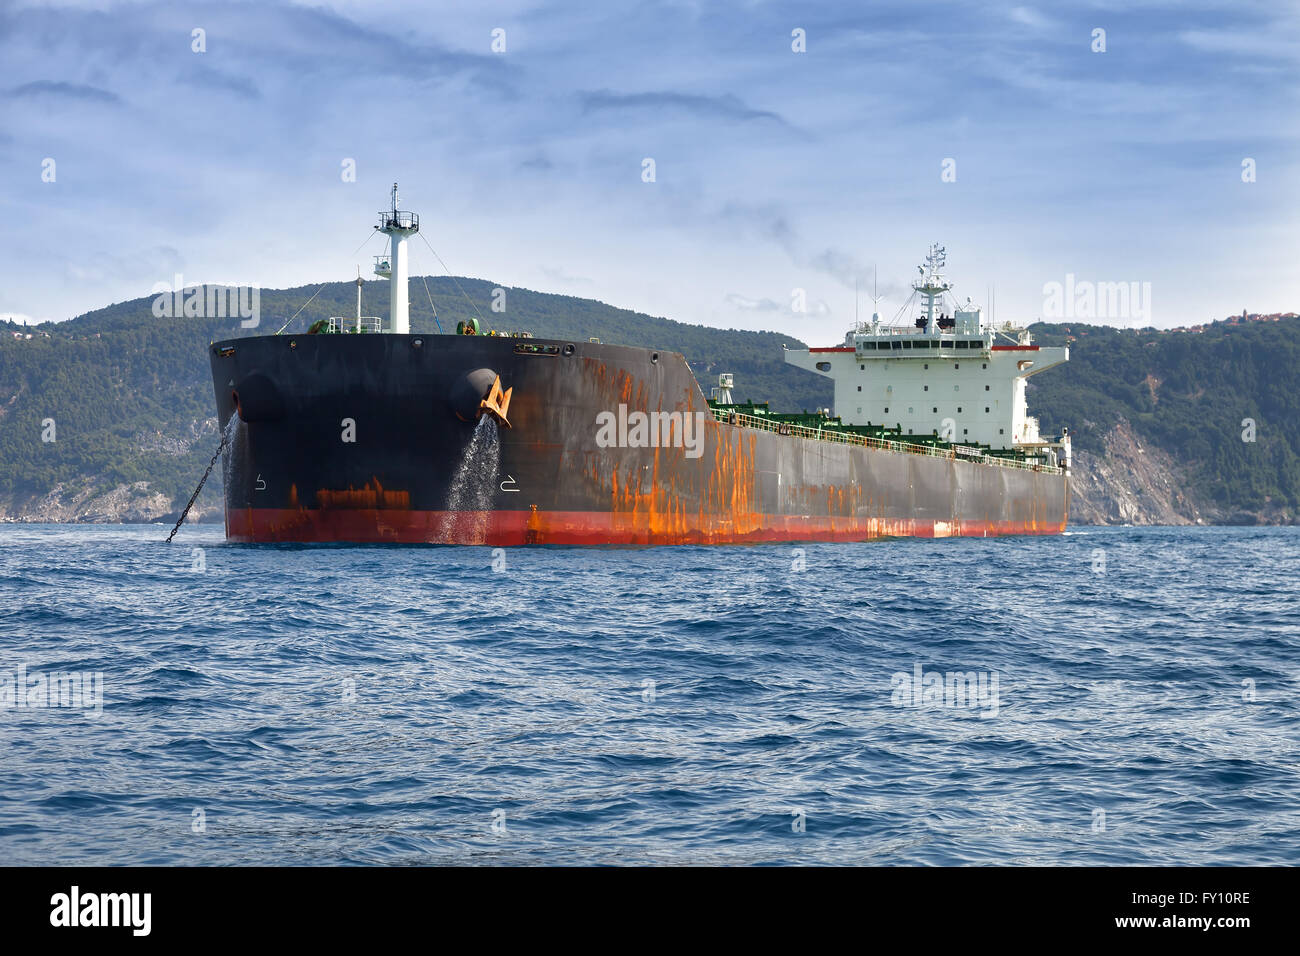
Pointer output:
x,y
236,450
469,500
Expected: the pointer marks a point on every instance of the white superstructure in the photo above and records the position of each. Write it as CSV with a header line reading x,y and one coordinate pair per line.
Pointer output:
x,y
950,374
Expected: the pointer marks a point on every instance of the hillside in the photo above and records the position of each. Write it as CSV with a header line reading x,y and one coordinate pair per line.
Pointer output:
x,y
1157,415
1158,419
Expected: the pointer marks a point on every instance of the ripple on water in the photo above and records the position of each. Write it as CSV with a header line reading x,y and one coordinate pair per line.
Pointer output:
x,y
389,705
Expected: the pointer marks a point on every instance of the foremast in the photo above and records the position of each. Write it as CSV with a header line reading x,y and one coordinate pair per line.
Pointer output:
x,y
399,226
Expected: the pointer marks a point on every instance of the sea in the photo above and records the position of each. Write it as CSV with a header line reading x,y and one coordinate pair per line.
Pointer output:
x,y
1114,695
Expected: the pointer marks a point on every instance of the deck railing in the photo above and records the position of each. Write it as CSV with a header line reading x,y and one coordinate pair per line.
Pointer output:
x,y
368,323
729,417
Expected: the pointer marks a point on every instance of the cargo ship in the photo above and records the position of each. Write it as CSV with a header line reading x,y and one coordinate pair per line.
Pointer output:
x,y
359,430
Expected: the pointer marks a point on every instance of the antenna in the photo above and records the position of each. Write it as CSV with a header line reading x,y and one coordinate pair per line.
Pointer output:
x,y
875,297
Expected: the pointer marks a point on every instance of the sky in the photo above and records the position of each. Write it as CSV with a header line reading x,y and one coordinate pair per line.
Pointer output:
x,y
1167,161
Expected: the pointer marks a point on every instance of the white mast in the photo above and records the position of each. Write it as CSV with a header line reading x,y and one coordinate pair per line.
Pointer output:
x,y
398,226
359,281
931,285
875,301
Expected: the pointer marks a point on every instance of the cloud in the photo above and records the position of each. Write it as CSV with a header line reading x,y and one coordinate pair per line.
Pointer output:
x,y
153,264
538,162
726,107
754,305
214,79
1028,17
559,275
746,304
514,157
1274,44
60,90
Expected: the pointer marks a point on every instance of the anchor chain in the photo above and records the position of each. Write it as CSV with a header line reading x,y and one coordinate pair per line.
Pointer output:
x,y
194,497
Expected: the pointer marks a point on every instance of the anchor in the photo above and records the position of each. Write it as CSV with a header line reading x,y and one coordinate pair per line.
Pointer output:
x,y
497,403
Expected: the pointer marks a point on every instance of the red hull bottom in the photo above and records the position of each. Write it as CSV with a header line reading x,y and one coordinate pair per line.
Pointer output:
x,y
513,528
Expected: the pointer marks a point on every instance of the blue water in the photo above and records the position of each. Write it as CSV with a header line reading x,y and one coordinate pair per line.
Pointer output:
x,y
324,705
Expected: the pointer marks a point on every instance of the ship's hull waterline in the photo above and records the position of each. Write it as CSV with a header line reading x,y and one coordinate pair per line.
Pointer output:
x,y
363,438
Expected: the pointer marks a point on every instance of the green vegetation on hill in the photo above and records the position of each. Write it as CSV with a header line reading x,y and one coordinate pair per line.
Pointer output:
x,y
1188,394
130,392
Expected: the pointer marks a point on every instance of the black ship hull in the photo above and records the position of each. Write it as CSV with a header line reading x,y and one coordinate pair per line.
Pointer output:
x,y
364,438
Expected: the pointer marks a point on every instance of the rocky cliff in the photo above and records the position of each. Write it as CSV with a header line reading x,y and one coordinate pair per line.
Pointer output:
x,y
1125,480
